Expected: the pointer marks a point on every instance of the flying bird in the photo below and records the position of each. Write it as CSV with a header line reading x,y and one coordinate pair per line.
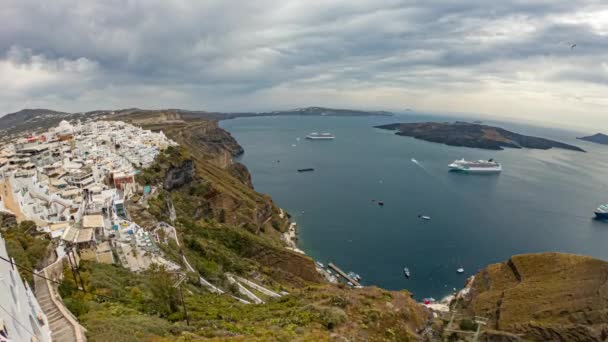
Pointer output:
x,y
572,46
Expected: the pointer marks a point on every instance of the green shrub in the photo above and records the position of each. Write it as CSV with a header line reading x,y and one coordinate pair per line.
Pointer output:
x,y
332,317
467,324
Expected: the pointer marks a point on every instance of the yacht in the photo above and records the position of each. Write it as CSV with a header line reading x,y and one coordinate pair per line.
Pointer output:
x,y
320,136
602,212
479,166
406,272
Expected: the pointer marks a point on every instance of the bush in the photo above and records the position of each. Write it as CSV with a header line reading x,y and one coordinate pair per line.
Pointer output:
x,y
332,317
467,324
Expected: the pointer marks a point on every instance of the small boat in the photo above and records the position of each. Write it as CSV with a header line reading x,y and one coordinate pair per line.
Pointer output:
x,y
357,277
309,169
406,272
381,203
424,217
460,270
320,136
320,264
350,284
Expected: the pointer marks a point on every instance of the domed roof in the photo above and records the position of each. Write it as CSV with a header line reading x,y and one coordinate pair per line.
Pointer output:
x,y
64,123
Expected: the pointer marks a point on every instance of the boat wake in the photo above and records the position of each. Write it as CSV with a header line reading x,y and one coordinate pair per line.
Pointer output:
x,y
415,161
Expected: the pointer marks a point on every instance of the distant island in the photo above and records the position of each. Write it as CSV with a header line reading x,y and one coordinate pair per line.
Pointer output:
x,y
473,135
596,138
38,119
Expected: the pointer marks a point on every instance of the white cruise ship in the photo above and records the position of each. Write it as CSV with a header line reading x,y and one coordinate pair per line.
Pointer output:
x,y
479,166
320,136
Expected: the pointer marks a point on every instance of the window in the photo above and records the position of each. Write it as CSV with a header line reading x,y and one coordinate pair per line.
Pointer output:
x,y
34,325
13,294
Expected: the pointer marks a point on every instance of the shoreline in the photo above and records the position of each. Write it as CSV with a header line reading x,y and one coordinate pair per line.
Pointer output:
x,y
290,237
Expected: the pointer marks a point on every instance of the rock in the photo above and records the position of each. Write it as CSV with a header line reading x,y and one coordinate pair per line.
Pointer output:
x,y
179,176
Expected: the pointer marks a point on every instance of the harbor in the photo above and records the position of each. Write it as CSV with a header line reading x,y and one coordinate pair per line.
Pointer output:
x,y
343,274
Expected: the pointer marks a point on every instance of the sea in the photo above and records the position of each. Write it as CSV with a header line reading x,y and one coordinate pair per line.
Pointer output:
x,y
543,201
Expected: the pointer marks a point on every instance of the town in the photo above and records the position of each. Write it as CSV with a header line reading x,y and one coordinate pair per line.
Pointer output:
x,y
72,181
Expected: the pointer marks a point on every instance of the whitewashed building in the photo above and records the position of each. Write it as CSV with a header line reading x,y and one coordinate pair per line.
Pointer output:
x,y
21,318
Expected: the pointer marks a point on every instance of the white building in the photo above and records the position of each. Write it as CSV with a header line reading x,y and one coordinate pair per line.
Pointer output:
x,y
21,318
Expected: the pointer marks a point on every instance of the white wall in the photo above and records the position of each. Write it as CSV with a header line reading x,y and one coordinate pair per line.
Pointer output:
x,y
19,309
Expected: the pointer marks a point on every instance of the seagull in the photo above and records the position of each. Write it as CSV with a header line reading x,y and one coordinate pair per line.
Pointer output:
x,y
572,46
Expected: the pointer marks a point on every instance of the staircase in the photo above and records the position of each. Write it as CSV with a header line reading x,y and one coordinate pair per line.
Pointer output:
x,y
64,328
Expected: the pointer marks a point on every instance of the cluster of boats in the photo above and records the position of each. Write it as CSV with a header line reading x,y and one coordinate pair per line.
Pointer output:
x,y
351,275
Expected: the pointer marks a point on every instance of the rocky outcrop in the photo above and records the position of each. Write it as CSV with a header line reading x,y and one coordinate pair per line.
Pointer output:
x,y
179,176
542,297
473,135
7,220
241,172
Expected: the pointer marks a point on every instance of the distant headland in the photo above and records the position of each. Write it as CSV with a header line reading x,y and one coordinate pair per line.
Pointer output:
x,y
596,138
473,135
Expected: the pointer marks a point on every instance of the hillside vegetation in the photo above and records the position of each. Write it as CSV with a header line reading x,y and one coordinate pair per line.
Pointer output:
x,y
544,297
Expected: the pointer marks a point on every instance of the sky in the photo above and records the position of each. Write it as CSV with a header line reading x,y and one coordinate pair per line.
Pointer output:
x,y
510,59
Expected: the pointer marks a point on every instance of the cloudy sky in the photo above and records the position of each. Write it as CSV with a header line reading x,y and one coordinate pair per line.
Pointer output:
x,y
512,59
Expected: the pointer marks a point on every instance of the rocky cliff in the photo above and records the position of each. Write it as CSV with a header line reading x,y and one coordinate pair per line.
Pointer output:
x,y
179,176
543,297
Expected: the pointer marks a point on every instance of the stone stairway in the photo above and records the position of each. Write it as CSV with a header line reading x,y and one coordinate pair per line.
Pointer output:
x,y
64,328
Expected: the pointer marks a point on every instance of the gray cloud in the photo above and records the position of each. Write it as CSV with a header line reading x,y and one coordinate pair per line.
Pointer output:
x,y
229,55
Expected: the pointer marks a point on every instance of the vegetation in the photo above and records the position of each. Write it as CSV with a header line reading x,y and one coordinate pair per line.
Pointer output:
x,y
26,247
173,156
467,324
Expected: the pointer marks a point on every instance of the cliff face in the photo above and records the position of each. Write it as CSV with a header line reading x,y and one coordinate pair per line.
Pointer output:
x,y
549,296
179,176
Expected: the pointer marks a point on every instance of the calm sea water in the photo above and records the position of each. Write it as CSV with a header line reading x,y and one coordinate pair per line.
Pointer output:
x,y
542,201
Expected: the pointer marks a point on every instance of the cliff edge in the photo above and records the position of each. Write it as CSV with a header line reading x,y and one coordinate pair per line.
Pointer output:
x,y
543,297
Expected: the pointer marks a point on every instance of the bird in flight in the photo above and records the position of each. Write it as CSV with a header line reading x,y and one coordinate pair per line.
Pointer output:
x,y
572,46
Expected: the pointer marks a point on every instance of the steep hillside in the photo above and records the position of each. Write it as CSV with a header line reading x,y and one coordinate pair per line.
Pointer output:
x,y
225,226
543,297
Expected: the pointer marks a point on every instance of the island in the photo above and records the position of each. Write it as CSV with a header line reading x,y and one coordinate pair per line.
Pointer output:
x,y
596,138
473,135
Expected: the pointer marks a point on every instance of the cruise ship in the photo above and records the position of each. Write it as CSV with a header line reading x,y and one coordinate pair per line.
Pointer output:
x,y
320,136
602,212
480,166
